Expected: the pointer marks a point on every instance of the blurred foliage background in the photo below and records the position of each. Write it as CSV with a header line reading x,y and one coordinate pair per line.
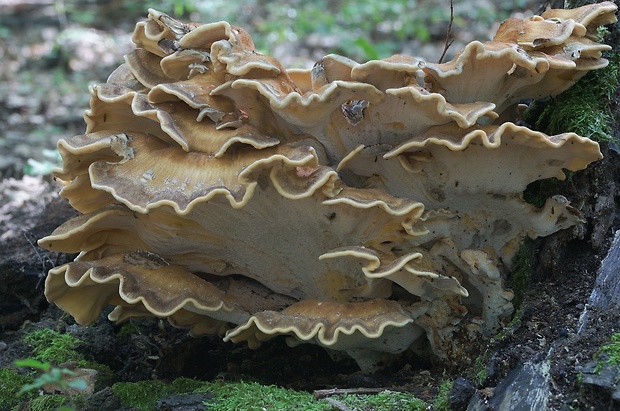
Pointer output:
x,y
50,50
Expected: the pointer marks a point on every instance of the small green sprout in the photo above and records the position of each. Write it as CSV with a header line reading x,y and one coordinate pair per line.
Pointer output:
x,y
51,375
441,402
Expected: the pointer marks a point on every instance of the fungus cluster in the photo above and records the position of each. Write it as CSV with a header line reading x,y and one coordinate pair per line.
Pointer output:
x,y
368,208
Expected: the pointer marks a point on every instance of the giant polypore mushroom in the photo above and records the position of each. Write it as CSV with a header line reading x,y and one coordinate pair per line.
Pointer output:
x,y
368,208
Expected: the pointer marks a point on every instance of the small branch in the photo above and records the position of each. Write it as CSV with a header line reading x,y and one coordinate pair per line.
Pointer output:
x,y
42,273
318,394
449,37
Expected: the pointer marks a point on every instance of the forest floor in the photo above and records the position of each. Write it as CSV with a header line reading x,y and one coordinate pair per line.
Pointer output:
x,y
44,71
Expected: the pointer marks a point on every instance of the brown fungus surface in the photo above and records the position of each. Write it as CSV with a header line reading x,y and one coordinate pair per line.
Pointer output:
x,y
368,208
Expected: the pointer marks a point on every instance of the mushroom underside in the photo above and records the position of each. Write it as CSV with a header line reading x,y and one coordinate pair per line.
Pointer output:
x,y
367,208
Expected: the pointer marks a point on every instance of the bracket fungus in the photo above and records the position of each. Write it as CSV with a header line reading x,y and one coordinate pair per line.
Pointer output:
x,y
368,208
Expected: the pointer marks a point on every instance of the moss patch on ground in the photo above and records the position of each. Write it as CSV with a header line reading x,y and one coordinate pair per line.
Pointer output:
x,y
49,402
442,402
143,395
51,346
254,396
480,371
610,353
47,346
54,347
384,401
242,395
10,383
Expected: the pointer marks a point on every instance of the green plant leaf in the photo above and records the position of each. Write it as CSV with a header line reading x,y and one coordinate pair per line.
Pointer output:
x,y
30,387
77,384
32,363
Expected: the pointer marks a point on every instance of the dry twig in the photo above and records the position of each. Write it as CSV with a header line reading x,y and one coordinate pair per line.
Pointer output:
x,y
42,274
318,394
449,36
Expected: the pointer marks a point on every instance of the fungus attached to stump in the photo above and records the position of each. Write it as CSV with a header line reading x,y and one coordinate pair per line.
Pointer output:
x,y
367,208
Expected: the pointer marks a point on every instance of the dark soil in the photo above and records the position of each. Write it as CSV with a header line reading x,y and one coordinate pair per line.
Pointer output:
x,y
546,325
563,281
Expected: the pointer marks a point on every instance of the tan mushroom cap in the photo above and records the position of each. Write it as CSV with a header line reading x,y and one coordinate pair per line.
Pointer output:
x,y
330,68
392,72
145,68
361,207
192,61
528,58
319,113
416,274
536,32
442,167
586,54
118,108
213,246
438,157
84,288
555,26
501,73
386,89
591,15
324,322
229,48
151,179
482,274
196,93
115,230
109,230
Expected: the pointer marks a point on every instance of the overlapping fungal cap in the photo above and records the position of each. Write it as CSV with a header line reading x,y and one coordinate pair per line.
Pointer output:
x,y
365,208
528,58
434,168
364,329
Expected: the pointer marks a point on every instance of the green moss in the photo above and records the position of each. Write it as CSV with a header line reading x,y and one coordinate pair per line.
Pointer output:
x,y
539,191
252,396
522,270
441,402
480,368
184,385
49,403
384,401
583,109
611,351
127,330
144,395
10,383
54,347
57,348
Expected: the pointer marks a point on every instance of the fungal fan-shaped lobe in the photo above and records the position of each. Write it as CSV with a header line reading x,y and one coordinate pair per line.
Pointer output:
x,y
368,208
